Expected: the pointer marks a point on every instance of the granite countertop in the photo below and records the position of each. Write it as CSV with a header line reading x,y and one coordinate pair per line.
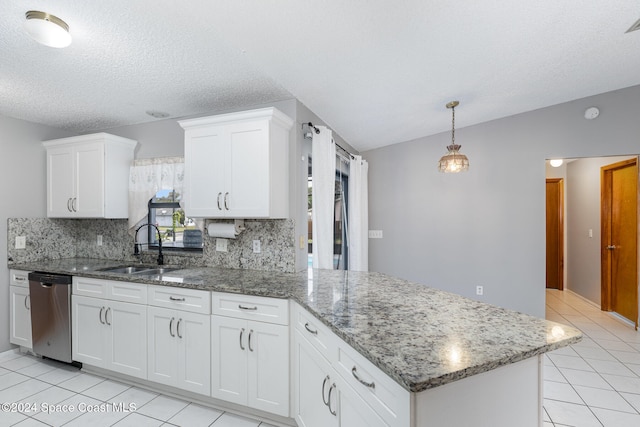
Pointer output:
x,y
419,336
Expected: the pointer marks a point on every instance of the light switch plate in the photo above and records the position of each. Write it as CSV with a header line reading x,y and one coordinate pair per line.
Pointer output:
x,y
256,247
21,242
221,245
375,234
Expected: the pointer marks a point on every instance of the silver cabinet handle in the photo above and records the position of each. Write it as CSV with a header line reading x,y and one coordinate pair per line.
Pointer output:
x,y
172,298
241,332
69,204
324,383
26,297
171,327
306,326
106,313
333,386
218,200
73,204
19,278
178,329
249,340
100,315
611,247
242,307
226,197
355,375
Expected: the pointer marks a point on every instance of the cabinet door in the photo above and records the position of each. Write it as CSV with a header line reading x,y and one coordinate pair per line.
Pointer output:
x,y
128,332
205,163
60,182
20,317
229,359
193,332
162,347
268,367
247,178
89,180
90,333
353,410
312,379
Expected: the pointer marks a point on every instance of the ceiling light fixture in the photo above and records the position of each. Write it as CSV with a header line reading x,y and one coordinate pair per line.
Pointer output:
x,y
47,29
556,163
453,161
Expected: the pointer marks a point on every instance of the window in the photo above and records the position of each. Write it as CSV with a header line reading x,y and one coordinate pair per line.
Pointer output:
x,y
178,232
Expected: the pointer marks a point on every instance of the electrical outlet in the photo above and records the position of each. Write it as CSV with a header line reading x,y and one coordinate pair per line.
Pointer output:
x,y
221,245
21,242
479,290
375,234
256,246
99,240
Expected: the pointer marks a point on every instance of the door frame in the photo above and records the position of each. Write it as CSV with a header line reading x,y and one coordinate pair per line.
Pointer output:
x,y
560,231
606,288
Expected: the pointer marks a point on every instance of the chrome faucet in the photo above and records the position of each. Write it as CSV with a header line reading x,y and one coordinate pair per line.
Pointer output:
x,y
136,248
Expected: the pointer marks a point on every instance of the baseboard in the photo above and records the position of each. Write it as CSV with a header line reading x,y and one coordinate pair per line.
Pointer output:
x,y
598,306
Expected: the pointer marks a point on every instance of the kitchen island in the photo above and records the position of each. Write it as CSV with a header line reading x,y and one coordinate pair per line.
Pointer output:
x,y
452,359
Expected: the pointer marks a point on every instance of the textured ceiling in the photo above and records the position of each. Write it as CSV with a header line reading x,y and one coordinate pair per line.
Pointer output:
x,y
377,72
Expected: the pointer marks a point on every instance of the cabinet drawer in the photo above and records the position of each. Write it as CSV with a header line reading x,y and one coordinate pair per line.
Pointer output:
x,y
383,394
19,278
271,310
315,332
87,287
193,300
110,290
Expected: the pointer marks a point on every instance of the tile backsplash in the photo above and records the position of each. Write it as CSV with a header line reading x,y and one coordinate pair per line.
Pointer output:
x,y
48,238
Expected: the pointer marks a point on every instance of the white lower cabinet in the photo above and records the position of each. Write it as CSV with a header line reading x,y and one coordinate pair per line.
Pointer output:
x,y
322,397
20,316
179,349
110,335
250,363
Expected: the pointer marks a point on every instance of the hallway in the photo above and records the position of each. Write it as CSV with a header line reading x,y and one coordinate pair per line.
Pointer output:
x,y
597,381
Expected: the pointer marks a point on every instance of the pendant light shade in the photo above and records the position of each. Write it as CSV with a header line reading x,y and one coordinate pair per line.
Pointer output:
x,y
47,29
453,161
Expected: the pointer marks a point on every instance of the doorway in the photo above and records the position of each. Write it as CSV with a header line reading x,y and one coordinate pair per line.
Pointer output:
x,y
619,252
555,233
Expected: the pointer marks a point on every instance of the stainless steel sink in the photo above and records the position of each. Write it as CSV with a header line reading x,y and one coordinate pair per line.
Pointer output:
x,y
138,269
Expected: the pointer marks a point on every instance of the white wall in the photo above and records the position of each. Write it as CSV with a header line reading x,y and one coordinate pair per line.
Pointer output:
x,y
487,226
23,174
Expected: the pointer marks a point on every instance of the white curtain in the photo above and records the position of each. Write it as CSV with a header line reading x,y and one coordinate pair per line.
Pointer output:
x,y
323,173
146,178
358,215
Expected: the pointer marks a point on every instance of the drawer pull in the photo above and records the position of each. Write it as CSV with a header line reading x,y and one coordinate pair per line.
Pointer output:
x,y
19,278
329,399
242,307
324,383
355,375
172,298
306,326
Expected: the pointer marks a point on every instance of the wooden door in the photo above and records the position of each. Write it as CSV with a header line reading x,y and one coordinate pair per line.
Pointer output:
x,y
620,238
555,233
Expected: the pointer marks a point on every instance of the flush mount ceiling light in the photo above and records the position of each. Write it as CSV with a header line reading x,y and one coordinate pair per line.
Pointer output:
x,y
453,161
556,163
47,29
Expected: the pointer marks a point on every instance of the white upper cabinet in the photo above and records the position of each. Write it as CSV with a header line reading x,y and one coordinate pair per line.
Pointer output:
x,y
236,165
88,176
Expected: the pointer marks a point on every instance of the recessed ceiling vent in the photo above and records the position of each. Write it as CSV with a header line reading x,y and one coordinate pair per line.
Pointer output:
x,y
634,27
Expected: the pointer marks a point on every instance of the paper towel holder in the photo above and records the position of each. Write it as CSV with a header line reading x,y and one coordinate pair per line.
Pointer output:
x,y
239,224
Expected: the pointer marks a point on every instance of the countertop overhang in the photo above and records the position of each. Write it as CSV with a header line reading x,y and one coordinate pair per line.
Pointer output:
x,y
419,336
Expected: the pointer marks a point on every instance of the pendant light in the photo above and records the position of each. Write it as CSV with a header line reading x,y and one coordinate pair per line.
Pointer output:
x,y
47,29
453,161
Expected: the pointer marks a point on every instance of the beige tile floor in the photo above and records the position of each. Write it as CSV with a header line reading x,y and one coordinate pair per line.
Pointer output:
x,y
597,381
43,393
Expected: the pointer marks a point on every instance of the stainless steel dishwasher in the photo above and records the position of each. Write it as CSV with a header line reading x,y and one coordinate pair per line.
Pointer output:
x,y
51,315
